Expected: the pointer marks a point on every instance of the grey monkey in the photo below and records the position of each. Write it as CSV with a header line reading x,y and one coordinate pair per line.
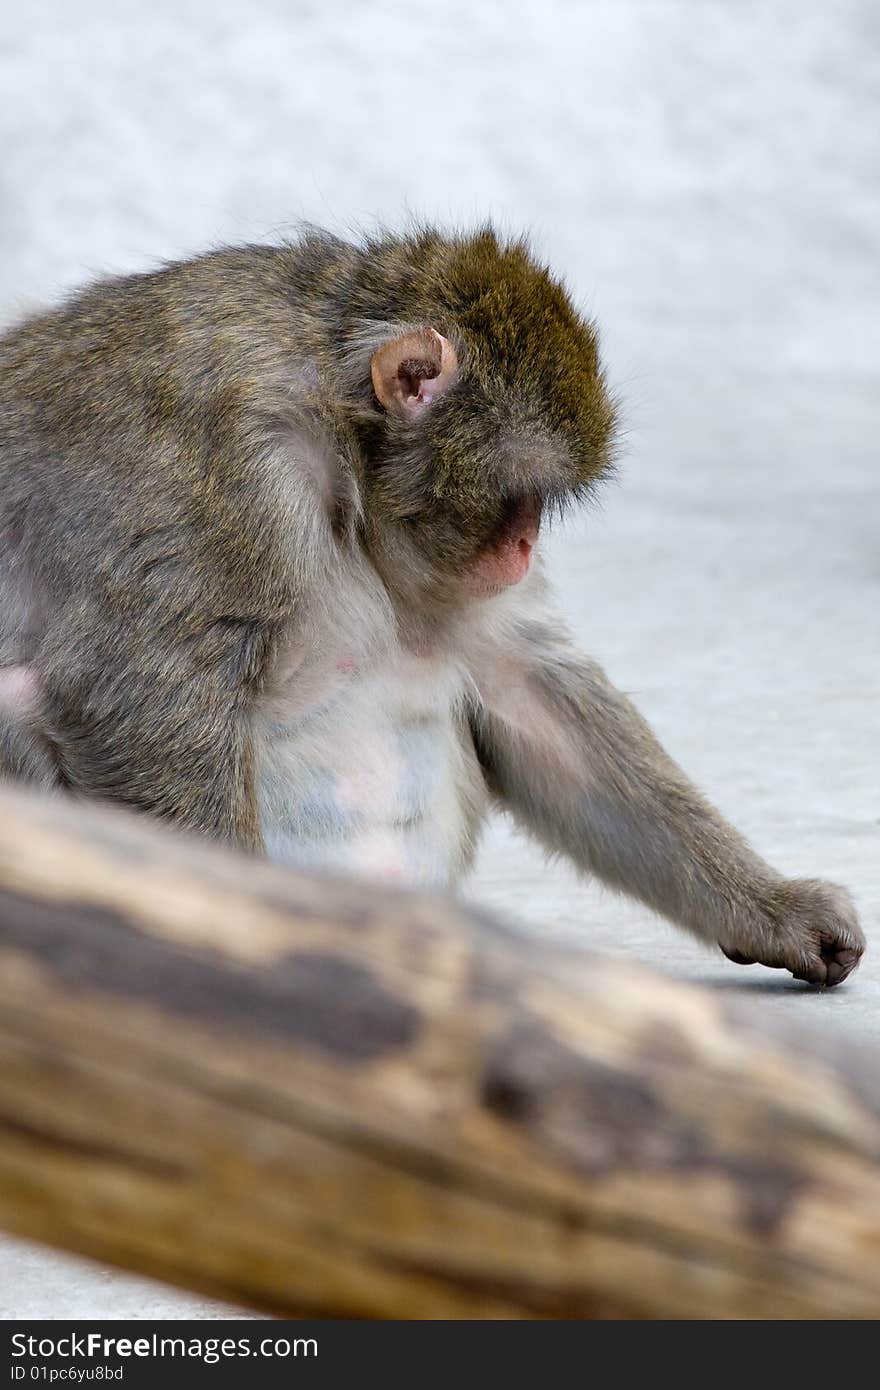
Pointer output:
x,y
270,570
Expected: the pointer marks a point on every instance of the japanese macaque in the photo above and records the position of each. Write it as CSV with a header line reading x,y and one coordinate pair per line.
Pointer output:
x,y
269,534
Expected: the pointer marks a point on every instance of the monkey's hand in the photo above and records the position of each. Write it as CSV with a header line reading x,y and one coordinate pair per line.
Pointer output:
x,y
812,930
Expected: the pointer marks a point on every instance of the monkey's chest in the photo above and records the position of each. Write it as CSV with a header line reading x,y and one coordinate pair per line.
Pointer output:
x,y
376,777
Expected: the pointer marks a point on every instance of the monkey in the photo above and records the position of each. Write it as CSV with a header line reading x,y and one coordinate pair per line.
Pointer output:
x,y
270,571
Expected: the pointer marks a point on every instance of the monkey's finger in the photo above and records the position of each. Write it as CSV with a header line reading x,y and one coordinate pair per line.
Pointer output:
x,y
830,968
841,963
814,971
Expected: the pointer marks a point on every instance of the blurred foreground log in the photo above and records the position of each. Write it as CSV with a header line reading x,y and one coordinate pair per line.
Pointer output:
x,y
323,1100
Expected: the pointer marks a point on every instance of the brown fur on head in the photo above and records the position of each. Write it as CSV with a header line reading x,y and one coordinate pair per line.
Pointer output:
x,y
493,406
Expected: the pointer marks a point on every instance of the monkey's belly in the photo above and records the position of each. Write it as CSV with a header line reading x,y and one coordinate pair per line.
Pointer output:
x,y
368,788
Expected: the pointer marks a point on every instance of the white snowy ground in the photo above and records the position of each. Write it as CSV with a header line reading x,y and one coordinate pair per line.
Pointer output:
x,y
707,176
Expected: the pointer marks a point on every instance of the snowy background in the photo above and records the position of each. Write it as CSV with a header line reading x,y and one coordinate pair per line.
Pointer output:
x,y
706,175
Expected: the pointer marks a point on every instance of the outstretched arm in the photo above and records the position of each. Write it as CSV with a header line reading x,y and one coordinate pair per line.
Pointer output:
x,y
577,765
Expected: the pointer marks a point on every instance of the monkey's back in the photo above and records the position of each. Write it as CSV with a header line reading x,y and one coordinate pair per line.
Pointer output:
x,y
136,427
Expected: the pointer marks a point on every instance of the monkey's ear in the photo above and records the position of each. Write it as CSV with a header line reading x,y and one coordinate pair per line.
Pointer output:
x,y
410,372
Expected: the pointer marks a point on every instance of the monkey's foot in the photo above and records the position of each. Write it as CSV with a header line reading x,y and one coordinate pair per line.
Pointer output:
x,y
813,931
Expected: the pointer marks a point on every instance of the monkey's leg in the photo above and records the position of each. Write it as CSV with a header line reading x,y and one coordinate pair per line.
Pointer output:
x,y
24,755
574,761
159,720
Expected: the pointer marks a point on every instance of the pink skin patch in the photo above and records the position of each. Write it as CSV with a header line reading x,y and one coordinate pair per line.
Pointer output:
x,y
509,560
19,688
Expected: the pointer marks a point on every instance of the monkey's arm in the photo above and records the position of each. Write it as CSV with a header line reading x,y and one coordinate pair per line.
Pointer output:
x,y
575,763
160,722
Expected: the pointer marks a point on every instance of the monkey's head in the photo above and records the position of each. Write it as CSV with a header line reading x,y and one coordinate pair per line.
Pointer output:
x,y
493,407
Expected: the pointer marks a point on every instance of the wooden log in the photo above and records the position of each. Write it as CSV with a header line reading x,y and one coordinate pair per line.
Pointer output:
x,y
319,1099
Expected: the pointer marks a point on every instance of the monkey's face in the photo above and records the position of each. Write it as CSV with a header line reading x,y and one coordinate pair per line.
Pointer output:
x,y
495,417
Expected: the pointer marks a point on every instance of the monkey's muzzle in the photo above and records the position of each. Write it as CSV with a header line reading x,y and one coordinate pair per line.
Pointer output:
x,y
508,559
